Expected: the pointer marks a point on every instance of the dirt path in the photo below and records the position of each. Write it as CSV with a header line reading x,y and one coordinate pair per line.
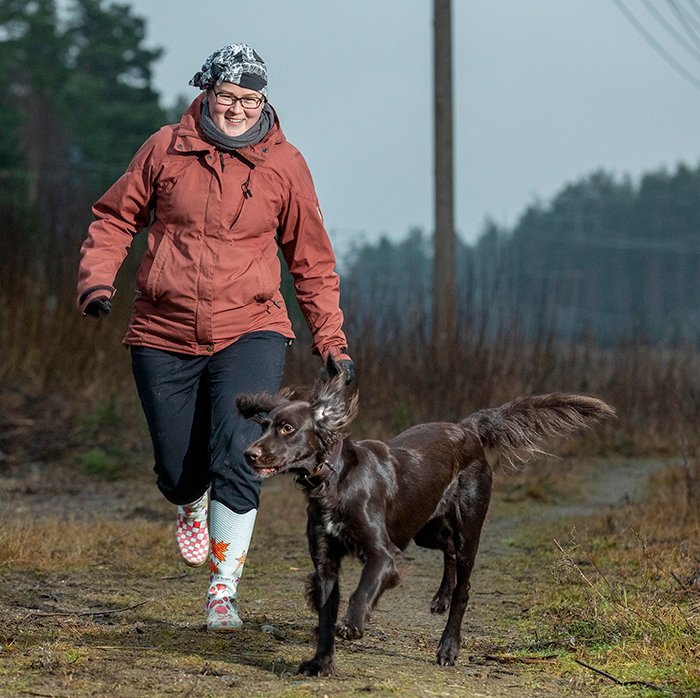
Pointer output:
x,y
162,648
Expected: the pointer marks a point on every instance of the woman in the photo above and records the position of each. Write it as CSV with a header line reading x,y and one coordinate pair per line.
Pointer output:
x,y
223,190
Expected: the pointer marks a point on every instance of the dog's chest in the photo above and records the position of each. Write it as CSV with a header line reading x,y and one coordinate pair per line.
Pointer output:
x,y
346,531
332,525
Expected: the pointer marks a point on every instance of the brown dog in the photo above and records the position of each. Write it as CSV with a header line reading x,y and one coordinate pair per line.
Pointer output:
x,y
431,483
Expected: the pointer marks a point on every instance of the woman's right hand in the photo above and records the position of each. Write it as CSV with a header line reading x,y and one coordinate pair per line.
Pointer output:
x,y
100,306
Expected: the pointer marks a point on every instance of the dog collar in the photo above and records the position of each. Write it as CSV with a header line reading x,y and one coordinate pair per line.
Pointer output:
x,y
320,473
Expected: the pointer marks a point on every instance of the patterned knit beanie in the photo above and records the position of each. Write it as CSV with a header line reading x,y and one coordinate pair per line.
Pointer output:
x,y
236,63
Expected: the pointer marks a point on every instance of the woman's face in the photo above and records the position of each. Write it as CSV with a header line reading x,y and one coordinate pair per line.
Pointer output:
x,y
234,119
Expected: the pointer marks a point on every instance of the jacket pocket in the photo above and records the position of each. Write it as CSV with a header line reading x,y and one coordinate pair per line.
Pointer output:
x,y
266,285
162,254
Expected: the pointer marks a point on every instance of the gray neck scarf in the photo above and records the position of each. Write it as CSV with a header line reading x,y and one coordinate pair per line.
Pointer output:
x,y
252,136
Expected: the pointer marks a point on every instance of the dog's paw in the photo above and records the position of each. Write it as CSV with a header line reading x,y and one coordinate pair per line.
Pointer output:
x,y
439,604
447,652
318,666
348,632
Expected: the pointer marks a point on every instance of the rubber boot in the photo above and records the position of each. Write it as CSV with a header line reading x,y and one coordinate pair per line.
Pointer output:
x,y
230,540
192,534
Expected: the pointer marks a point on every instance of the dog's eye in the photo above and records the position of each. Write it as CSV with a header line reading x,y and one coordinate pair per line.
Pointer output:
x,y
285,429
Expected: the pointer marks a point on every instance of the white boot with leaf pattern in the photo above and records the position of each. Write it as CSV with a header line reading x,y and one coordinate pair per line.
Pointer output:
x,y
230,535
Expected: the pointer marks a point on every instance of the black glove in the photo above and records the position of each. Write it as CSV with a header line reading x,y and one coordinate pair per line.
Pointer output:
x,y
341,363
100,306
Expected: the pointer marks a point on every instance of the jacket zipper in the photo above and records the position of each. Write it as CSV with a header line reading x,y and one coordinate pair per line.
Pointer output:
x,y
247,194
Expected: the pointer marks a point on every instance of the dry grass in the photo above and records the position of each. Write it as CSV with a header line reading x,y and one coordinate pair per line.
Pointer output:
x,y
626,598
51,353
56,546
655,391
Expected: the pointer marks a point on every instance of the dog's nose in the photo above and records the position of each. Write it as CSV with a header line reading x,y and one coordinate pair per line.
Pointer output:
x,y
253,454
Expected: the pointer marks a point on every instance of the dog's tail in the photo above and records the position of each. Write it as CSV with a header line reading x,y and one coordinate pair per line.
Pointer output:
x,y
522,428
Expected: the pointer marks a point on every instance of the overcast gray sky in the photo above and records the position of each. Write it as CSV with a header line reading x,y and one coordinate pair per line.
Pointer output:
x,y
546,91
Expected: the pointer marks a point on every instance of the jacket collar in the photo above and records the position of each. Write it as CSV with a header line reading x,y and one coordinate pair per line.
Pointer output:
x,y
190,139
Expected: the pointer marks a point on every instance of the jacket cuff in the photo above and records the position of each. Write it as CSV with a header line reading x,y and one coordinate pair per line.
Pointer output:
x,y
338,353
94,292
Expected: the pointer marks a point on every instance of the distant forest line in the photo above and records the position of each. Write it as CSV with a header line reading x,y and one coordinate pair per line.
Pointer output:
x,y
605,259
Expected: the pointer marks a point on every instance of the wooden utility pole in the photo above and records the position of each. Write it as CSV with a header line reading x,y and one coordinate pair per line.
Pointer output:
x,y
444,264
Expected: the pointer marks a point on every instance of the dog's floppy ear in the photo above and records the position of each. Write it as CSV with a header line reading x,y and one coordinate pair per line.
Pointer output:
x,y
255,407
332,411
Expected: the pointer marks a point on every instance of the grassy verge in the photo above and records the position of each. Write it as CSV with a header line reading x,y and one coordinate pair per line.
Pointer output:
x,y
620,595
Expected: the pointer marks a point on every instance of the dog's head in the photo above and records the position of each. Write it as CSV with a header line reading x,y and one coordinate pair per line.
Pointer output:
x,y
297,433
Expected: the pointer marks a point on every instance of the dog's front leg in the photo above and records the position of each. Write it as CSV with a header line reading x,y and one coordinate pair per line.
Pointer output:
x,y
326,597
323,594
378,574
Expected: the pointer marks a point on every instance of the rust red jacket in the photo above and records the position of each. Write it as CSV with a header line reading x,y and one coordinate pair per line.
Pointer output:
x,y
211,271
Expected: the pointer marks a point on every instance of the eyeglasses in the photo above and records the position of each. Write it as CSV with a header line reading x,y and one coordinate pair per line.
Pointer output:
x,y
228,100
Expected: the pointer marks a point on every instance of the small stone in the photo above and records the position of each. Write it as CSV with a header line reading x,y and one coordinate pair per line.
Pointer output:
x,y
280,667
272,630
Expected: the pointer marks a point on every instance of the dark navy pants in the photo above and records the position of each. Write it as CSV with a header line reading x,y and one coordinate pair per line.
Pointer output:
x,y
198,435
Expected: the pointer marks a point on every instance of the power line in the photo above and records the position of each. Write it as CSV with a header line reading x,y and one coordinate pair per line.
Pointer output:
x,y
693,13
678,67
684,22
692,50
696,6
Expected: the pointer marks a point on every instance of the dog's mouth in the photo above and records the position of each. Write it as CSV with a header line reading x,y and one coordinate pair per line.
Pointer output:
x,y
265,472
